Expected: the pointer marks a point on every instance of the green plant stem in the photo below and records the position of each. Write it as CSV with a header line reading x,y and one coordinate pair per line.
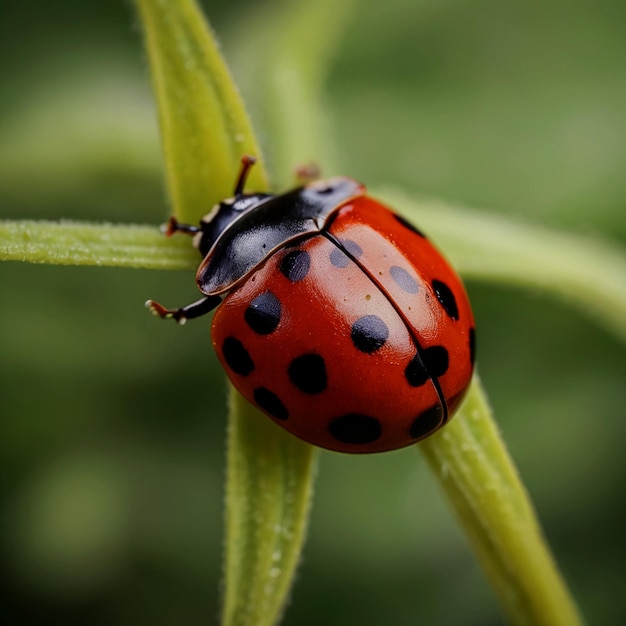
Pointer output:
x,y
587,272
80,243
297,65
590,273
266,514
470,461
283,54
204,126
205,131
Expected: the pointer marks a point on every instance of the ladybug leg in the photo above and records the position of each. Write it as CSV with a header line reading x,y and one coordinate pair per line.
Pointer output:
x,y
189,312
174,226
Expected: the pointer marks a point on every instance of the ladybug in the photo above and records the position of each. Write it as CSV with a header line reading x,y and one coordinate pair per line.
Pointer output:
x,y
335,316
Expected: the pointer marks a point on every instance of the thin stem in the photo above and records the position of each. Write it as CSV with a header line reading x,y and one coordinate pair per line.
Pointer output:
x,y
79,243
470,461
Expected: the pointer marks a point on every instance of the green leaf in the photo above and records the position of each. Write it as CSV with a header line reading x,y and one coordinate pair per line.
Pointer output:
x,y
265,515
472,465
204,126
285,53
76,243
587,272
270,473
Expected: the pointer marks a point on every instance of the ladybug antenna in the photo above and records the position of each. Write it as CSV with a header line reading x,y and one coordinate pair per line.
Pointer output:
x,y
247,162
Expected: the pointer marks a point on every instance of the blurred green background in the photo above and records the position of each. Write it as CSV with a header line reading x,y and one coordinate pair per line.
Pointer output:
x,y
112,424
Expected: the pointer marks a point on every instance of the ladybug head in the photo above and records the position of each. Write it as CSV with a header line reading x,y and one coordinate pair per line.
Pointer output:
x,y
228,211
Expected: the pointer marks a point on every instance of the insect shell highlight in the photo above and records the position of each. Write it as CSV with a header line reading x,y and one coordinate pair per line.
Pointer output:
x,y
335,316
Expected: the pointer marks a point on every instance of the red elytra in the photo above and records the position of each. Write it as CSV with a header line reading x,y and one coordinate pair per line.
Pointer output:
x,y
339,319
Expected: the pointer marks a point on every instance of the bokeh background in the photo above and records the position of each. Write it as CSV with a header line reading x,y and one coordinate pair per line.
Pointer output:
x,y
113,424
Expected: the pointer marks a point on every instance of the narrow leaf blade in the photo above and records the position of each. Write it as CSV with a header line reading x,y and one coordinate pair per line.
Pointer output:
x,y
266,515
472,465
270,473
204,126
587,272
82,243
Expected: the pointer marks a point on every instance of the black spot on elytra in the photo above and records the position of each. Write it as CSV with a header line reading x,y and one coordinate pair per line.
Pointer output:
x,y
308,373
403,279
369,333
432,363
436,360
237,357
355,428
352,247
408,225
270,403
338,257
446,298
415,372
472,345
426,422
263,313
295,265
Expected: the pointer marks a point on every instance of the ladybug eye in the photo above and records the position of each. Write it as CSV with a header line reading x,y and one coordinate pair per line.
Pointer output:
x,y
323,187
324,191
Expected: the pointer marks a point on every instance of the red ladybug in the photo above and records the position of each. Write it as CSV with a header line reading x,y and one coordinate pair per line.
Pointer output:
x,y
335,316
